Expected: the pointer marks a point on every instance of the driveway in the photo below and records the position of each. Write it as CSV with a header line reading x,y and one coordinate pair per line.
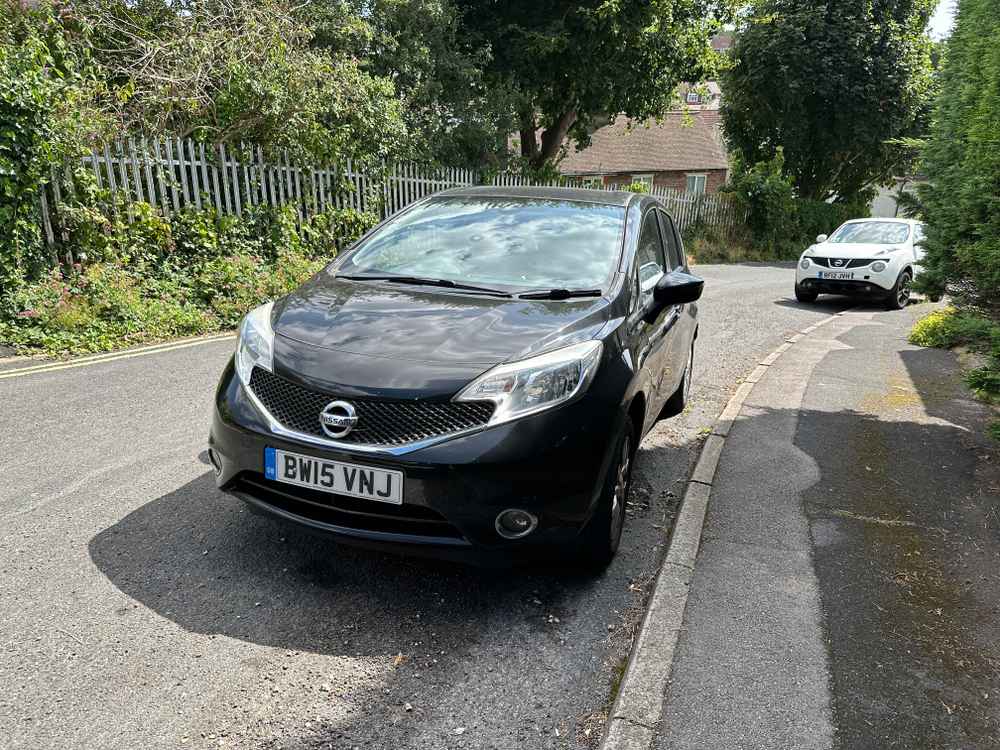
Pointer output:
x,y
143,608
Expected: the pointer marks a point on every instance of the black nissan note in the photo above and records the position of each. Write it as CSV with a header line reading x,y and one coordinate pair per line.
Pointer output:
x,y
470,379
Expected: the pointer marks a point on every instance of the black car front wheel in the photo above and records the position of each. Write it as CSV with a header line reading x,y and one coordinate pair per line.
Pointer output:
x,y
599,541
804,295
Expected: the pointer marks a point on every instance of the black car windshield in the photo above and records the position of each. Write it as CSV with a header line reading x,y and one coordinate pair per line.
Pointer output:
x,y
512,243
872,232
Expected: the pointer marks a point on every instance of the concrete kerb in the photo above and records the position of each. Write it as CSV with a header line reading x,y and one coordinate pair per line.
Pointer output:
x,y
637,708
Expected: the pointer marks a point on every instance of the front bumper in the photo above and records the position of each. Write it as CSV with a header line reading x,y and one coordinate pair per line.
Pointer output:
x,y
862,281
552,464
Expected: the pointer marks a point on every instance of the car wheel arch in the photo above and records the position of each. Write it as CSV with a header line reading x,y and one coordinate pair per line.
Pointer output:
x,y
637,411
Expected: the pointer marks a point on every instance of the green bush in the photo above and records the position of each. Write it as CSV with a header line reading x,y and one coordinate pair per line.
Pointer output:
x,y
154,279
949,327
779,225
46,117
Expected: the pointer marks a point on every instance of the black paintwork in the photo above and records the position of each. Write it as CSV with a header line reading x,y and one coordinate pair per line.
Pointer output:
x,y
391,340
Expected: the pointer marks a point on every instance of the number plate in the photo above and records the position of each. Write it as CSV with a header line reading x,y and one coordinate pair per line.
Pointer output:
x,y
837,275
335,477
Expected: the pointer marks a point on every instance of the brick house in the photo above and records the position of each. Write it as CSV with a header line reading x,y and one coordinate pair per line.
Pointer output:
x,y
683,151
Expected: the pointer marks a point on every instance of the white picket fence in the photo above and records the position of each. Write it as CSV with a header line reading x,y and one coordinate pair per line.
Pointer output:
x,y
172,174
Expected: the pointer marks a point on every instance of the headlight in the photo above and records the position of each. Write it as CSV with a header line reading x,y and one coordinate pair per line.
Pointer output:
x,y
531,385
878,266
804,263
256,345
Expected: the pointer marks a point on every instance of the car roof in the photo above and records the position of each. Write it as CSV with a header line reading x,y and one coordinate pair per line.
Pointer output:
x,y
583,195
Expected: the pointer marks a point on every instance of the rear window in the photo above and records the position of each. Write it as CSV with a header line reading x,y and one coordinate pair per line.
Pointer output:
x,y
874,232
498,242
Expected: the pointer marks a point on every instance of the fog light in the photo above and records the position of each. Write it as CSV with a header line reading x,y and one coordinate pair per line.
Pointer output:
x,y
514,524
878,266
804,264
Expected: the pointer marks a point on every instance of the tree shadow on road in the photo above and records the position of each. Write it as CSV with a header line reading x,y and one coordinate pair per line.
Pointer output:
x,y
907,538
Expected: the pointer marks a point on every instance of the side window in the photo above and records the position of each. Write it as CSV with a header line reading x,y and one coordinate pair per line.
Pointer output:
x,y
649,262
675,257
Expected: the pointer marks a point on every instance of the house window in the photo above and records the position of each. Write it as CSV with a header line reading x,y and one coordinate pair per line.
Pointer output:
x,y
595,182
696,183
644,179
693,97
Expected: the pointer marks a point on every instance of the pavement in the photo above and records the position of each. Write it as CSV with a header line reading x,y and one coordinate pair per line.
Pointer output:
x,y
846,593
140,607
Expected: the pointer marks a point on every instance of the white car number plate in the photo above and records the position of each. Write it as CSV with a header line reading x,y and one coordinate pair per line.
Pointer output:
x,y
836,275
335,477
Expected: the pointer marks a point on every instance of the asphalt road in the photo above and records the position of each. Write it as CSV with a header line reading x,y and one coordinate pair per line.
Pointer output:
x,y
140,607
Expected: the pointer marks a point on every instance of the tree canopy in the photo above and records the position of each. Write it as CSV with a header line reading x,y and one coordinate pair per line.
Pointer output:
x,y
570,66
838,86
961,201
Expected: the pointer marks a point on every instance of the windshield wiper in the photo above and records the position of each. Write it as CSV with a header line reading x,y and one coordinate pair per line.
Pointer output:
x,y
421,281
560,293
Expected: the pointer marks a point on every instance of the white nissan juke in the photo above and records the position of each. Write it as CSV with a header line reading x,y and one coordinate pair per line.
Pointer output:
x,y
875,258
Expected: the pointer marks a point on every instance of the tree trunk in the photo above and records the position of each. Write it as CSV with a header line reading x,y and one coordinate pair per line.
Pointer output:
x,y
552,138
529,143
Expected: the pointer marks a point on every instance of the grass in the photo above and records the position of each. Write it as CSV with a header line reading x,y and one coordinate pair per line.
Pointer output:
x,y
950,327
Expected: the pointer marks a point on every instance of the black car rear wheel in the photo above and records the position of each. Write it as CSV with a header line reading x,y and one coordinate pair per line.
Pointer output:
x,y
599,541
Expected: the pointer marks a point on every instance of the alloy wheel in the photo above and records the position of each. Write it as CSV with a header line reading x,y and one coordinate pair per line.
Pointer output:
x,y
903,294
621,490
687,375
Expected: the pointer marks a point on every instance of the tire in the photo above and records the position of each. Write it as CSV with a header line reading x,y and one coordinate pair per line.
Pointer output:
x,y
678,400
803,295
600,539
899,295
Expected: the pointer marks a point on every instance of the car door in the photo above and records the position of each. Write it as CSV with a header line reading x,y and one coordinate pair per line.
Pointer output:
x,y
650,265
680,321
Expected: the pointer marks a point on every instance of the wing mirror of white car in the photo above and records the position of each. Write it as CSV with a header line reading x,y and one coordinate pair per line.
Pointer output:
x,y
821,238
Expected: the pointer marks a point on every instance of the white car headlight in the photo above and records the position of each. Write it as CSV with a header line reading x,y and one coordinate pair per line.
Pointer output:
x,y
531,385
804,263
878,266
256,344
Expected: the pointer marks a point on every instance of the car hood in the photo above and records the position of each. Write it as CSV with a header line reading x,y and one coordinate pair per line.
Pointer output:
x,y
851,250
346,334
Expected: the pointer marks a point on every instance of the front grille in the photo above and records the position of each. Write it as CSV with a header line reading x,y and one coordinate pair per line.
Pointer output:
x,y
346,512
848,263
380,421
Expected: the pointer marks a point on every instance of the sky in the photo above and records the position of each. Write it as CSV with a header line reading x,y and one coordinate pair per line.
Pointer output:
x,y
940,25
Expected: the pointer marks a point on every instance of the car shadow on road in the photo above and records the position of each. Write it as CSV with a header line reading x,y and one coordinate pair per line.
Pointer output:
x,y
829,303
200,559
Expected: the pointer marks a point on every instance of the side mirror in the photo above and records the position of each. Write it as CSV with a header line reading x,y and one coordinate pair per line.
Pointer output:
x,y
677,288
821,238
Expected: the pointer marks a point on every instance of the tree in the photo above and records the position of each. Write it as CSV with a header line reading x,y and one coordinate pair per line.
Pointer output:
x,y
452,117
961,201
571,66
228,71
836,85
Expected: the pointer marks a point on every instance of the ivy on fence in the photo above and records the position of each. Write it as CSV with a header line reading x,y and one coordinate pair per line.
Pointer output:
x,y
172,174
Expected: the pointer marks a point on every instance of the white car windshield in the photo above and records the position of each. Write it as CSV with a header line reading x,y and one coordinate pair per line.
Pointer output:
x,y
872,232
517,243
